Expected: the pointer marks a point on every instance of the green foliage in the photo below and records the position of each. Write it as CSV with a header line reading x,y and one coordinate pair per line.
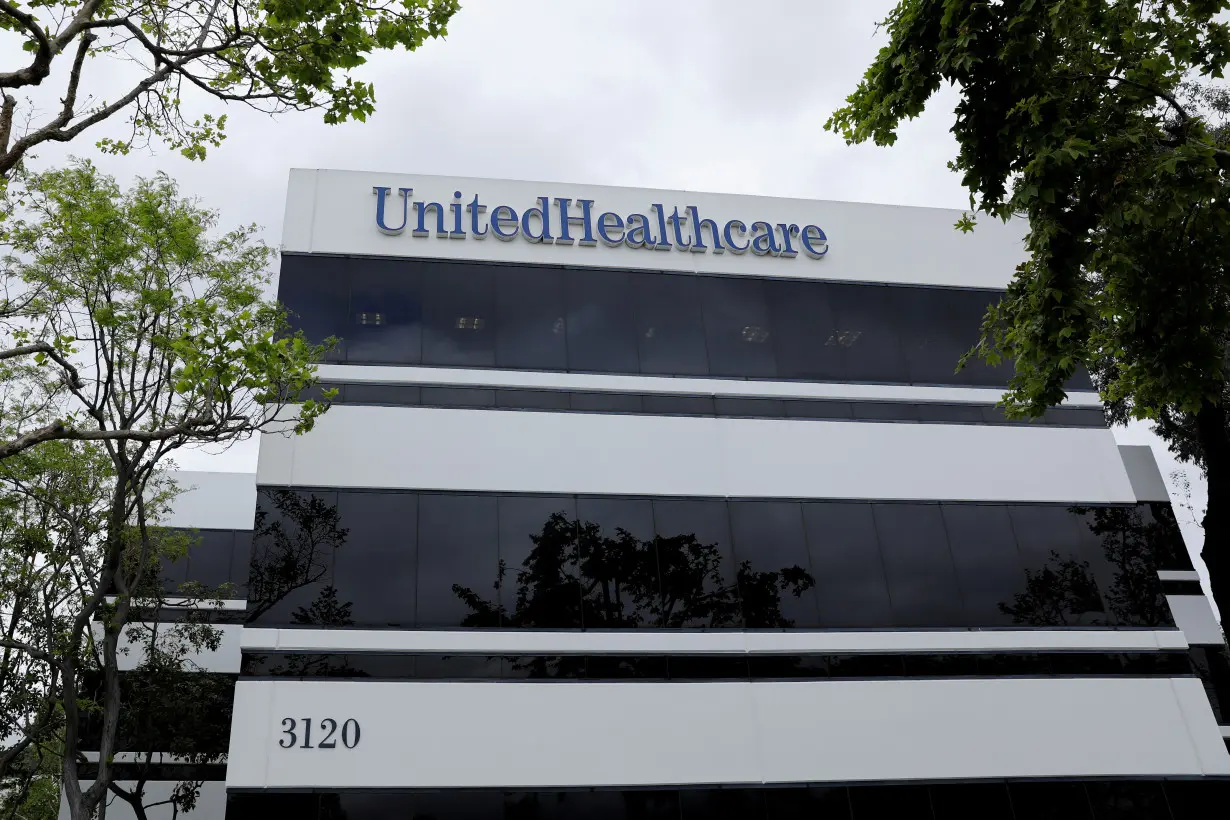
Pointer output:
x,y
1072,113
274,55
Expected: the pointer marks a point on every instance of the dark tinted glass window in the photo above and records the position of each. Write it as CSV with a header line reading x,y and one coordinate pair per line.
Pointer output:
x,y
989,567
627,667
877,802
802,328
391,394
458,314
656,804
209,557
458,667
316,295
457,397
737,328
971,801
940,326
1191,799
696,564
532,399
1169,551
949,412
601,323
708,667
722,804
174,572
1061,588
457,557
445,805
537,667
538,582
678,405
260,806
374,573
851,588
815,803
884,411
776,583
530,324
291,572
800,409
753,408
385,322
921,579
1121,549
607,402
1050,801
241,558
600,805
669,331
865,340
619,564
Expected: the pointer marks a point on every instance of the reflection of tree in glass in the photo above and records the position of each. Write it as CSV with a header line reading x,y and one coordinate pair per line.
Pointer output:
x,y
293,544
1064,592
1130,545
575,575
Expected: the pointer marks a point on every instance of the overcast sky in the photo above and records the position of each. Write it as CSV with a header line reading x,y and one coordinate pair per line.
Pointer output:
x,y
719,95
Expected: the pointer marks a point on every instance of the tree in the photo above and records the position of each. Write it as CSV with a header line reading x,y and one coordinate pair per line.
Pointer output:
x,y
274,56
161,339
1075,114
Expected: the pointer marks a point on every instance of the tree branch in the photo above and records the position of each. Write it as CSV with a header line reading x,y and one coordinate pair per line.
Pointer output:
x,y
40,66
74,378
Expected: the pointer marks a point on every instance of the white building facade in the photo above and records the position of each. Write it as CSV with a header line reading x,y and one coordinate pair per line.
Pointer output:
x,y
641,503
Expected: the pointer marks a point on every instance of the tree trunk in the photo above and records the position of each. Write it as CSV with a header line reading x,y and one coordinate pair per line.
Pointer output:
x,y
1215,443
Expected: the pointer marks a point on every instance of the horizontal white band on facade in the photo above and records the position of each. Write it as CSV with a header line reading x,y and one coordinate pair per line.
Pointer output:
x,y
733,642
459,377
425,448
1178,575
212,501
182,603
1194,615
431,734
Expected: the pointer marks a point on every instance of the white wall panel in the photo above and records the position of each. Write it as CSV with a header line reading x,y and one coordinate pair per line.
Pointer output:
x,y
718,642
527,735
867,243
430,448
1194,615
208,500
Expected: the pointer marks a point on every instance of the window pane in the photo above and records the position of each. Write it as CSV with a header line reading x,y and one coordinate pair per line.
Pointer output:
x,y
865,338
652,804
532,399
457,397
600,322
940,325
396,395
722,804
749,408
386,312
971,801
922,582
293,546
737,328
1169,550
678,405
1118,540
1050,801
209,558
458,314
815,803
619,564
600,805
457,557
608,402
316,294
877,802
818,409
802,326
530,330
375,571
845,557
696,564
776,583
989,567
1060,588
669,330
445,805
538,580
241,558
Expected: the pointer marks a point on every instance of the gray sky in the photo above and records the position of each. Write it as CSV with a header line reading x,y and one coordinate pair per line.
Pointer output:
x,y
719,95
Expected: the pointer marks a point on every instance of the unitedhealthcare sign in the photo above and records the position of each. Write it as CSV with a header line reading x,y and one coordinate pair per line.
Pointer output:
x,y
564,221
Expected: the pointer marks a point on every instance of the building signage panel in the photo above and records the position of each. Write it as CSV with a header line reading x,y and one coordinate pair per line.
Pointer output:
x,y
564,221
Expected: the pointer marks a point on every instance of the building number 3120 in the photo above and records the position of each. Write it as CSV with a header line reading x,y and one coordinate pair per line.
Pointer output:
x,y
298,734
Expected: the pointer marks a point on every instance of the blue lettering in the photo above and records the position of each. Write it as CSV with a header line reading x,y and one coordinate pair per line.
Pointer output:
x,y
475,209
764,243
663,244
583,221
815,243
675,219
381,195
502,216
543,213
788,250
730,242
639,235
420,210
617,224
458,232
698,239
